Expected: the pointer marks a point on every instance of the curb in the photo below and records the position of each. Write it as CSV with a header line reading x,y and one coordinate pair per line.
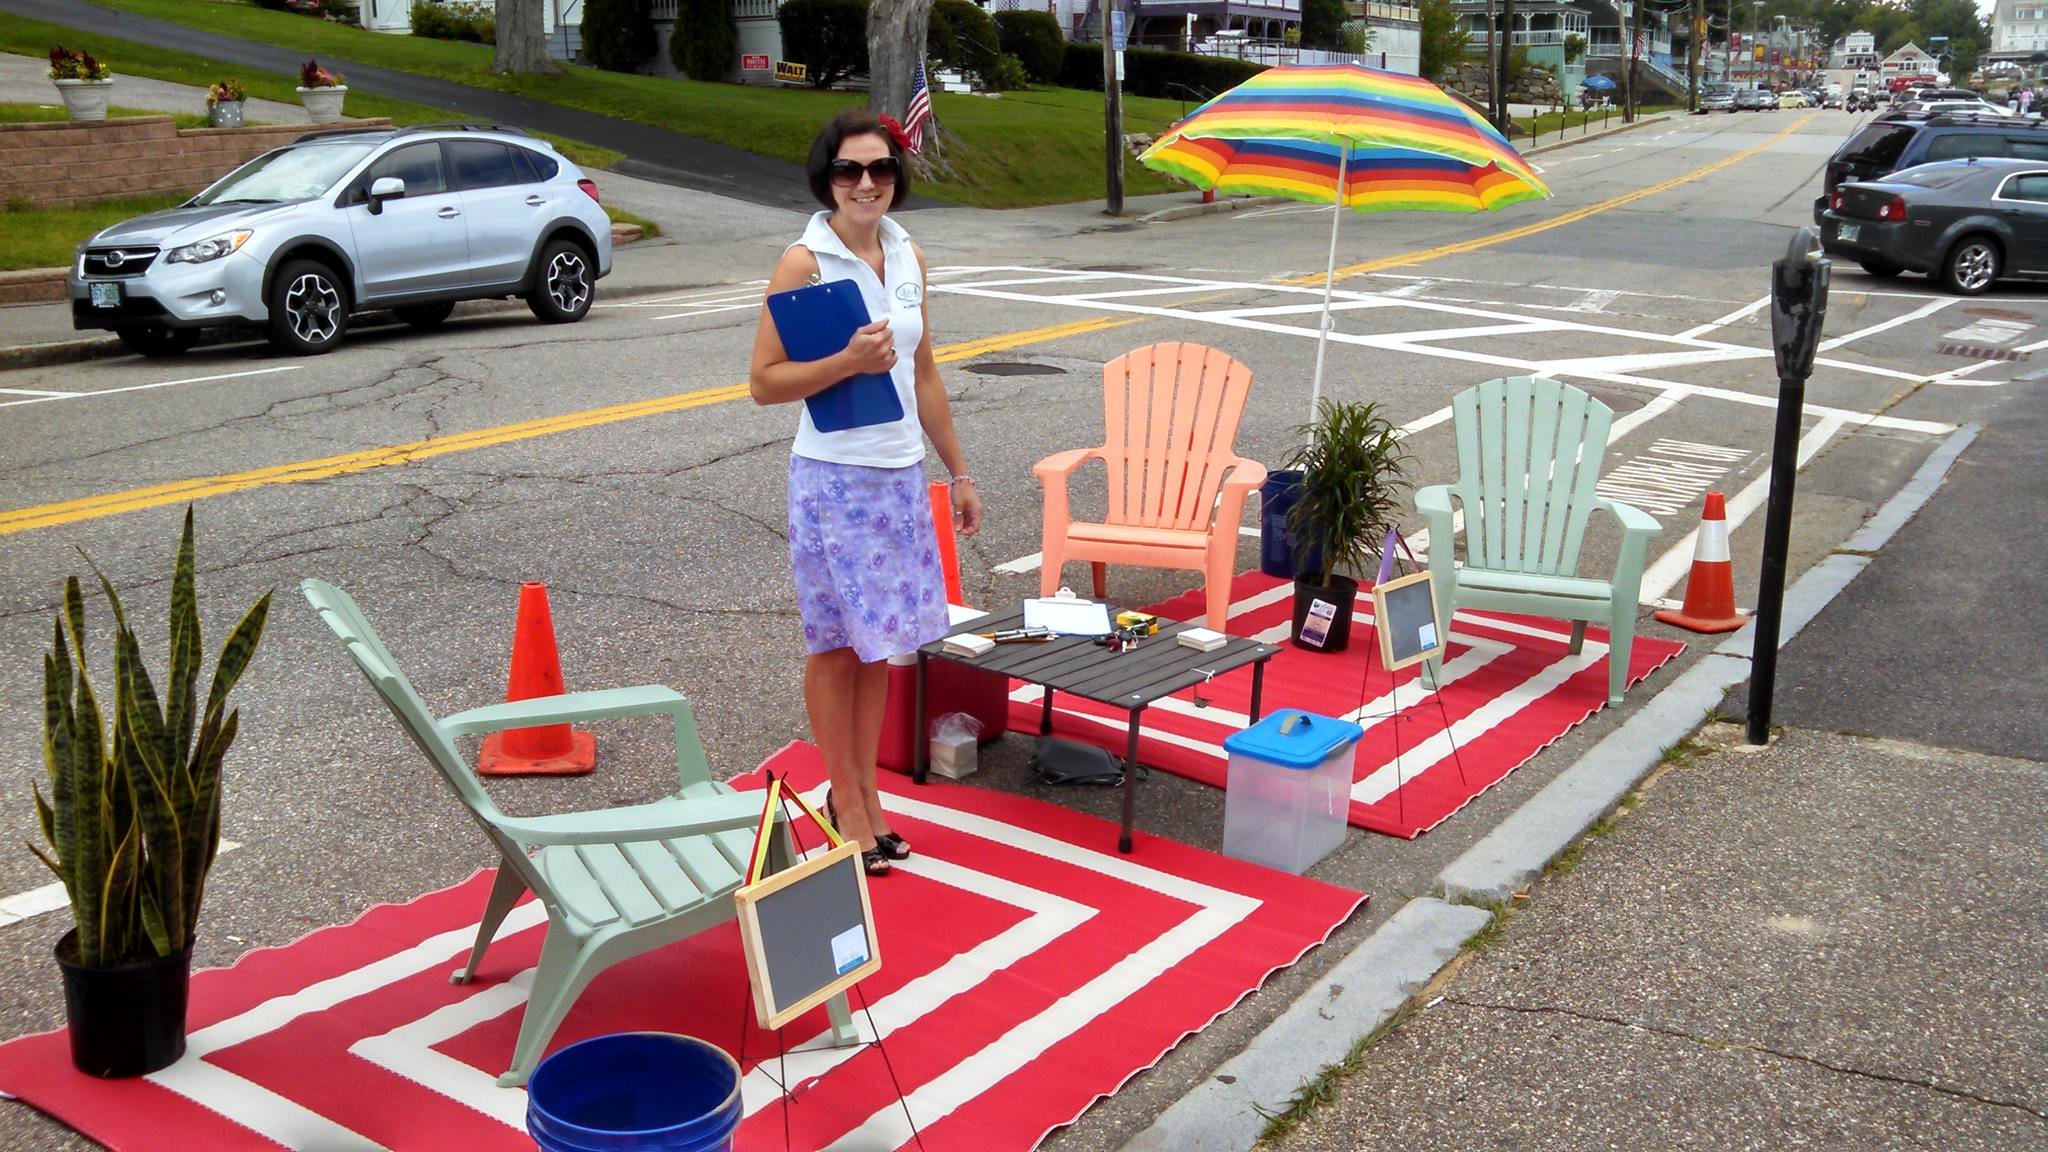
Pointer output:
x,y
1602,134
1356,996
1392,964
1188,211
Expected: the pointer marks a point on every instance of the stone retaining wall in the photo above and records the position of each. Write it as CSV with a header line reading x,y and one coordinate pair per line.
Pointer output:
x,y
64,165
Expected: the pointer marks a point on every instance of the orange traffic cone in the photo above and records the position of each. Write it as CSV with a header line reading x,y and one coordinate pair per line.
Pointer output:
x,y
550,750
949,550
1710,589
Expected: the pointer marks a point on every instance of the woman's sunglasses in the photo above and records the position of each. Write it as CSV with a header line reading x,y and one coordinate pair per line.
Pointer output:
x,y
846,173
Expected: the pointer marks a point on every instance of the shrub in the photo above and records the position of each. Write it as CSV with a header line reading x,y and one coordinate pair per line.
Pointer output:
x,y
828,37
462,20
1153,72
1007,75
939,42
228,91
1034,39
618,35
273,5
976,43
312,75
705,39
73,64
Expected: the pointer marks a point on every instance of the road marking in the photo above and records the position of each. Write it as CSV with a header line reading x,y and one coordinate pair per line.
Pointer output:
x,y
1595,300
1669,476
50,897
1990,330
1572,217
1672,566
181,491
34,392
46,398
1744,312
1925,310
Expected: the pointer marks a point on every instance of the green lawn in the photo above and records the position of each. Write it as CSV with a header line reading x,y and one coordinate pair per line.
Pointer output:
x,y
34,38
47,237
1037,147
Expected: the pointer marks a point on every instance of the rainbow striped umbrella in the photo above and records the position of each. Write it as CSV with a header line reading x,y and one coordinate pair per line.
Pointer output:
x,y
1391,143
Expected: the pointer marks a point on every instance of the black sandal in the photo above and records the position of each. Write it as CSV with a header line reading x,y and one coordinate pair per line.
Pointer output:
x,y
893,846
875,862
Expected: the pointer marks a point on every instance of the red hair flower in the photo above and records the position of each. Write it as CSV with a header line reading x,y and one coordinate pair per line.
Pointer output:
x,y
896,132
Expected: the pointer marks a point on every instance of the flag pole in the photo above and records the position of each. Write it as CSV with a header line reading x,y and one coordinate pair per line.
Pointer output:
x,y
1315,393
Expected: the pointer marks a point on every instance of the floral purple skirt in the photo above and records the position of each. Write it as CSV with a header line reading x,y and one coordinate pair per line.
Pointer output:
x,y
866,558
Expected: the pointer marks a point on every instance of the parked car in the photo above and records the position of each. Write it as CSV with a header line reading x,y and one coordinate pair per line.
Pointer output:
x,y
1718,98
1895,141
1792,99
1972,104
1755,100
1967,223
296,240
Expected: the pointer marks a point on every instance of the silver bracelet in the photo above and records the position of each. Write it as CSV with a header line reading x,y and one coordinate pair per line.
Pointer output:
x,y
962,478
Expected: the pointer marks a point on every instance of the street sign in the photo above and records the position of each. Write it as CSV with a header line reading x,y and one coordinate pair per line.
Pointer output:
x,y
1119,37
754,62
1119,65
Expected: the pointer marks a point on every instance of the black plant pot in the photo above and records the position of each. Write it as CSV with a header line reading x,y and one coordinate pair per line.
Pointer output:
x,y
127,1020
1341,592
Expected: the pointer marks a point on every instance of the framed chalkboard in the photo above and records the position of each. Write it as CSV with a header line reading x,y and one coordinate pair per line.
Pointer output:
x,y
1405,610
808,933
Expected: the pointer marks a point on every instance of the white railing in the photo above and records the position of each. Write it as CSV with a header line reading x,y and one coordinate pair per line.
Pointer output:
x,y
1376,9
663,10
1271,52
753,9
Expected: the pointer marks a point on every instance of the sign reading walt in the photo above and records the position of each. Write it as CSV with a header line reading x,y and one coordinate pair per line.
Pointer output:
x,y
791,73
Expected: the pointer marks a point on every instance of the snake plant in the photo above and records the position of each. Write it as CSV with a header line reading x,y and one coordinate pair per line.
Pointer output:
x,y
133,815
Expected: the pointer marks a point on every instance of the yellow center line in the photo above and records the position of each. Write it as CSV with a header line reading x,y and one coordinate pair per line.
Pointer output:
x,y
1572,217
321,468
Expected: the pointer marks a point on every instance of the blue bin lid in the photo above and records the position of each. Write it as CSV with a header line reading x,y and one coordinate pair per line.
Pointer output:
x,y
1293,738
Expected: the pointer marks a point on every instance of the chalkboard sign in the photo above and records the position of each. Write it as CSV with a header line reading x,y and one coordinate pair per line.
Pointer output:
x,y
808,933
1405,610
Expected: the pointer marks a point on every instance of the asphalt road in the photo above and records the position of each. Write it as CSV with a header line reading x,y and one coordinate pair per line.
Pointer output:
x,y
660,534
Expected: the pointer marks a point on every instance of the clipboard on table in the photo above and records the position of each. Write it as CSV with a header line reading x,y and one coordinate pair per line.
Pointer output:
x,y
816,321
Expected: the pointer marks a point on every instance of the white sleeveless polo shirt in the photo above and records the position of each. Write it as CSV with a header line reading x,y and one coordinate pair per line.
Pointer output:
x,y
901,443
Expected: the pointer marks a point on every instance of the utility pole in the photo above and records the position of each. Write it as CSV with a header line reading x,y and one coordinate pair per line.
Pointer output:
x,y
1692,54
1728,48
1633,30
1507,77
1493,100
1113,103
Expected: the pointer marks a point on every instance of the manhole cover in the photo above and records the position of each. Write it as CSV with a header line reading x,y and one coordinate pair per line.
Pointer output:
x,y
1013,368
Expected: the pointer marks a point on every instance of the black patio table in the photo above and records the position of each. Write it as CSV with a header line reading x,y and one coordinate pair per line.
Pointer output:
x,y
1156,667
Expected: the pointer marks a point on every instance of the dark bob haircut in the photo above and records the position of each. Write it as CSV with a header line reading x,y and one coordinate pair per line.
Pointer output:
x,y
825,149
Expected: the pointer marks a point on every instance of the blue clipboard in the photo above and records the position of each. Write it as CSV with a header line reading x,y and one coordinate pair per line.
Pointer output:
x,y
817,321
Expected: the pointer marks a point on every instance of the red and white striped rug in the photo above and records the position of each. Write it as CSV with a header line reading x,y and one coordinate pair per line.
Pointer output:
x,y
1028,970
1512,688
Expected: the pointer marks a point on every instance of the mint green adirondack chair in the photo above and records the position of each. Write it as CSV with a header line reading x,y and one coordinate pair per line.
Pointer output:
x,y
616,882
1529,453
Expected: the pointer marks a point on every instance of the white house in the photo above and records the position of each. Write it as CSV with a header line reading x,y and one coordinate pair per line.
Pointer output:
x,y
1857,50
2019,28
1910,62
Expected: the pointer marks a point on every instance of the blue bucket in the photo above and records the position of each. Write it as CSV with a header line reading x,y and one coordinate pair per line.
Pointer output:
x,y
635,1092
1277,498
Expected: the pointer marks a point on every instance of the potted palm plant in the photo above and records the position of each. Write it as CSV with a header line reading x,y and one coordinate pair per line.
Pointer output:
x,y
82,81
224,103
1350,492
133,820
321,92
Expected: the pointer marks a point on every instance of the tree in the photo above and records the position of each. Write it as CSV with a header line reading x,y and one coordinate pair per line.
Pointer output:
x,y
1322,23
1444,38
522,38
704,39
896,38
618,35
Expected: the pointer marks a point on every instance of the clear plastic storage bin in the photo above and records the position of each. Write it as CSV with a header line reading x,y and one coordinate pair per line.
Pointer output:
x,y
1289,789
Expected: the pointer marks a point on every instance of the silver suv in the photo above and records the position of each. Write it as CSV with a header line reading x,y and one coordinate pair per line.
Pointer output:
x,y
293,242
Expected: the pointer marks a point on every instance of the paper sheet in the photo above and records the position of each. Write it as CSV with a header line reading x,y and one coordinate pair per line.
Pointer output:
x,y
1068,617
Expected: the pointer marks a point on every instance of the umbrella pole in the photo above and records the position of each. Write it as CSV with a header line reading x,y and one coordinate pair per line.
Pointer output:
x,y
1315,393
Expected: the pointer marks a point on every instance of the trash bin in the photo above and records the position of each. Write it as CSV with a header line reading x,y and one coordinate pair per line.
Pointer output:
x,y
1276,548
635,1092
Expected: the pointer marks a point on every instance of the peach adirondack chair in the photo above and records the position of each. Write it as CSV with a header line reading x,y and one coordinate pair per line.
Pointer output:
x,y
1176,483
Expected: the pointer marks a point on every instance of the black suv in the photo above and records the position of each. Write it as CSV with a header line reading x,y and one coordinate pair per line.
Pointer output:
x,y
1899,140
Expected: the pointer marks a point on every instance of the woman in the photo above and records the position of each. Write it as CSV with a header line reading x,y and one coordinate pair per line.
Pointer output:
x,y
861,539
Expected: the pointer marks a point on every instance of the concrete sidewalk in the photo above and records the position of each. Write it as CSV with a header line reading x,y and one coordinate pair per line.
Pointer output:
x,y
1838,941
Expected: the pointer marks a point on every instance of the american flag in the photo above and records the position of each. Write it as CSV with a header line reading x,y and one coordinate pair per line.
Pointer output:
x,y
920,110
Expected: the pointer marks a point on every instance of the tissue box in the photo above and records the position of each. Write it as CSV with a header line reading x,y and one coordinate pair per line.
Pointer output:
x,y
953,757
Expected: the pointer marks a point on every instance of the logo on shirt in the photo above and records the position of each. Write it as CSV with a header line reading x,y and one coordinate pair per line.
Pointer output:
x,y
909,294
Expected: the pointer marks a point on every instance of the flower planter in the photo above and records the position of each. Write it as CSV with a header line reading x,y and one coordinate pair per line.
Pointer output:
x,y
225,114
85,100
127,1020
1340,593
324,104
